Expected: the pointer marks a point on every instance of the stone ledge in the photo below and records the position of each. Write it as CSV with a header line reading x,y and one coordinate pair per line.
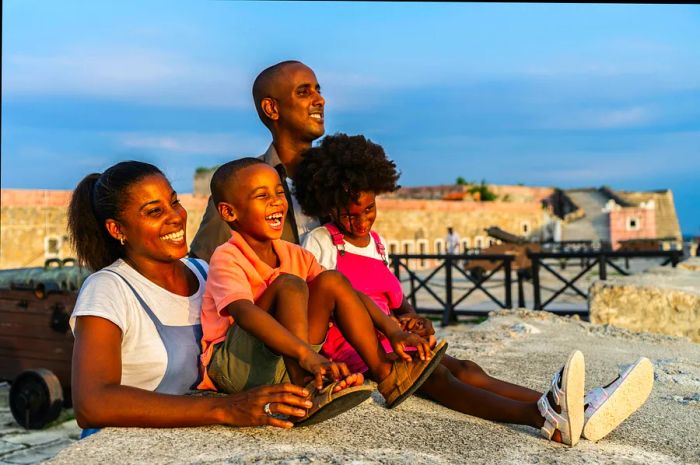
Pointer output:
x,y
520,346
662,300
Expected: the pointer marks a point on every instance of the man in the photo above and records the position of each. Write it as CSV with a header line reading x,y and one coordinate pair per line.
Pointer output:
x,y
288,100
452,242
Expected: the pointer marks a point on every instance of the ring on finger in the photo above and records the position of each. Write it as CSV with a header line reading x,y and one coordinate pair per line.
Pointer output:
x,y
266,409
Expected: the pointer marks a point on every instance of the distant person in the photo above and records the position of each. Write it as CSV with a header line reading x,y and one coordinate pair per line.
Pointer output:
x,y
136,321
268,304
341,178
452,242
288,100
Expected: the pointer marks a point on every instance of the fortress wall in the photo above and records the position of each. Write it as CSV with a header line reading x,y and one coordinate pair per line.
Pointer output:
x,y
30,218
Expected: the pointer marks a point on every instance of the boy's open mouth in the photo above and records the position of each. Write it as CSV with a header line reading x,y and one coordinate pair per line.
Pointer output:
x,y
275,220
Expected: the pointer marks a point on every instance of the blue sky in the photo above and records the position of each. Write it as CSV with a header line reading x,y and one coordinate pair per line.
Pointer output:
x,y
569,95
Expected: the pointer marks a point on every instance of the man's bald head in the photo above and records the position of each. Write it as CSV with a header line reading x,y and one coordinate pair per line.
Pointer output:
x,y
267,84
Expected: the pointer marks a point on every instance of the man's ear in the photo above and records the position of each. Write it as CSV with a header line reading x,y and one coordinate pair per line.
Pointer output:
x,y
114,229
269,107
227,212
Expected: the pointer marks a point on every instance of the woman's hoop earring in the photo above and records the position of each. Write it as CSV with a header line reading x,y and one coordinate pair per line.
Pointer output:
x,y
121,240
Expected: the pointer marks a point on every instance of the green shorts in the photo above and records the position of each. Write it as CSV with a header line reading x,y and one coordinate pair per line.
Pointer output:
x,y
242,361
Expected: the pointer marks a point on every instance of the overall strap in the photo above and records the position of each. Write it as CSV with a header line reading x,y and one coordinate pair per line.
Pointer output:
x,y
336,237
380,247
145,306
199,267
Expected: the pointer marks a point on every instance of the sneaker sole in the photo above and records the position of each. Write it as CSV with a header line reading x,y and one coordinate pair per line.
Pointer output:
x,y
626,399
573,384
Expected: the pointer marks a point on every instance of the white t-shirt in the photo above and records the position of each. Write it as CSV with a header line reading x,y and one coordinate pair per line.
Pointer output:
x,y
103,294
304,223
320,244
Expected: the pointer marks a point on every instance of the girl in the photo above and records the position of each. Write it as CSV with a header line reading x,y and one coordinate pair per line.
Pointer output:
x,y
340,180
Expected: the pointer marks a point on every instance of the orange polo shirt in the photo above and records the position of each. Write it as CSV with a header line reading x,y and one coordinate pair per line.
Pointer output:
x,y
235,273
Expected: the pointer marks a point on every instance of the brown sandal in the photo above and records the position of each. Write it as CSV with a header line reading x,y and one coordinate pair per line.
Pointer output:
x,y
328,404
406,377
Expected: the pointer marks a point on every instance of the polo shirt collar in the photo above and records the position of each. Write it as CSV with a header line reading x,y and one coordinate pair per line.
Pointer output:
x,y
265,271
270,156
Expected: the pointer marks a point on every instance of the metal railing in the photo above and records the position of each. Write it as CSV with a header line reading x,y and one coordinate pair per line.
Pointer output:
x,y
453,268
450,263
588,259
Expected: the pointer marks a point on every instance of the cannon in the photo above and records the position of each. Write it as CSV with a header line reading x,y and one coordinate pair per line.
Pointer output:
x,y
36,343
511,244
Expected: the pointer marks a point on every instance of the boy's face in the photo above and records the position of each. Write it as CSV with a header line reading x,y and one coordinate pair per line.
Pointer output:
x,y
356,219
256,205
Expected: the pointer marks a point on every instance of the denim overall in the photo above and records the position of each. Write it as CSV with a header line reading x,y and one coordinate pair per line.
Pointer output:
x,y
182,345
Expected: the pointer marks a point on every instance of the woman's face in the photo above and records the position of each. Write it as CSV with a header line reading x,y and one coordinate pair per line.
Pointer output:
x,y
153,221
356,219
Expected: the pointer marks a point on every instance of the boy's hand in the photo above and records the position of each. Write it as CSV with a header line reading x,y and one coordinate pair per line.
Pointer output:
x,y
319,366
401,339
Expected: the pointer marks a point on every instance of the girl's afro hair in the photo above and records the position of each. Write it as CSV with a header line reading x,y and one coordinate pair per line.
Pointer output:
x,y
333,175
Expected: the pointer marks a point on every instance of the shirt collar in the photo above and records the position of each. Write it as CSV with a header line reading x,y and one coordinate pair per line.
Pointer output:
x,y
265,271
270,156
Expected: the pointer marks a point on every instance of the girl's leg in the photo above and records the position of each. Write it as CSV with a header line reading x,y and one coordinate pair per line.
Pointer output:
x,y
449,391
472,374
331,295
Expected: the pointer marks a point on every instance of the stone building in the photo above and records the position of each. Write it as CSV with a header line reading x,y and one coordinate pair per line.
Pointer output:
x,y
412,220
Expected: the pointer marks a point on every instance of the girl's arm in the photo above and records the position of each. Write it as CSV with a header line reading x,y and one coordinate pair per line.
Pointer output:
x,y
393,331
409,320
100,400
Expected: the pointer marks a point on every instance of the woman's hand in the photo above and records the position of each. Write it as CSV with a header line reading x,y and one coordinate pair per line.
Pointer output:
x,y
320,367
401,339
247,408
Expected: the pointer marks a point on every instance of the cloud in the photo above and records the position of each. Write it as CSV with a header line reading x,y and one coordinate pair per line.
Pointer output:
x,y
619,118
142,75
193,143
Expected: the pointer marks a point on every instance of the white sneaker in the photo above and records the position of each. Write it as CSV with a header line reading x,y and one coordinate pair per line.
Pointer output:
x,y
607,407
567,391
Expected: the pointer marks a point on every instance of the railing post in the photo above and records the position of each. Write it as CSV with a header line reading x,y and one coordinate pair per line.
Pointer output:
x,y
413,291
509,284
395,265
602,270
447,313
536,283
675,259
521,291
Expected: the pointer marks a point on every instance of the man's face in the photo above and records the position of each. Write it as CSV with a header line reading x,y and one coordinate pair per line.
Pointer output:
x,y
299,103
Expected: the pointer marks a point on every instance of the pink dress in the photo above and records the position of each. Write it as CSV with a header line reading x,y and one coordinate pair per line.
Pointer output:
x,y
372,277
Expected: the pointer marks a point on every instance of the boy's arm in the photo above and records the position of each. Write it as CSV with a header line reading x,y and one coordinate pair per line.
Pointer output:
x,y
279,339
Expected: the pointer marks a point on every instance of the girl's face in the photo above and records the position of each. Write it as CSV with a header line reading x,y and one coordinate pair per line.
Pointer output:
x,y
356,220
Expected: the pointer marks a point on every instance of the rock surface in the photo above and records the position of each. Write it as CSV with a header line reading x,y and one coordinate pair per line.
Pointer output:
x,y
661,300
519,346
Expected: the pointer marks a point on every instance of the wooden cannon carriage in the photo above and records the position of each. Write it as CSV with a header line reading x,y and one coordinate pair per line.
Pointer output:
x,y
36,343
510,245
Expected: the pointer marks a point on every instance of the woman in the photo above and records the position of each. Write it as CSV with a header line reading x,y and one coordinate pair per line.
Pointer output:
x,y
136,320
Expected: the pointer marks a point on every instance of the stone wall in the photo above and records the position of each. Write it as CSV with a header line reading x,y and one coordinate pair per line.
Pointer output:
x,y
405,222
32,220
632,223
662,300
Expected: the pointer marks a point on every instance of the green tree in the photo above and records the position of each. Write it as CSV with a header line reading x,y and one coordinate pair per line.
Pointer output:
x,y
461,181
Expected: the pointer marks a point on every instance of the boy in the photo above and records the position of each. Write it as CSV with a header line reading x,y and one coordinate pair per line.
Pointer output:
x,y
268,304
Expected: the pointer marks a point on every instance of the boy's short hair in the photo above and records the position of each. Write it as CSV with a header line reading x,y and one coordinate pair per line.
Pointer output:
x,y
219,184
